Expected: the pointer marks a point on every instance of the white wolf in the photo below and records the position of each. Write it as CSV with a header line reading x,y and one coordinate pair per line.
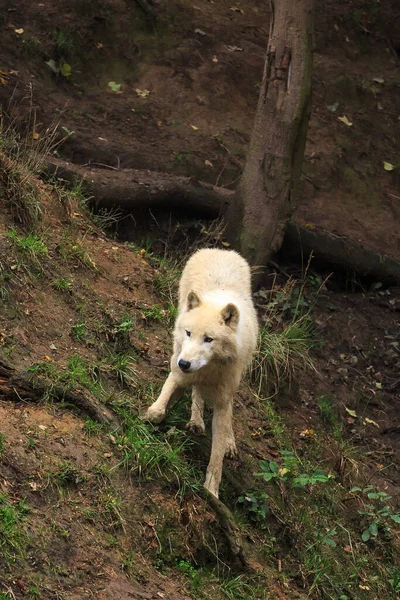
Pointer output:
x,y
215,336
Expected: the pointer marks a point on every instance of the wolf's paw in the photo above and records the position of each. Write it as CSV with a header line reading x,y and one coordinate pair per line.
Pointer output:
x,y
154,414
231,450
197,427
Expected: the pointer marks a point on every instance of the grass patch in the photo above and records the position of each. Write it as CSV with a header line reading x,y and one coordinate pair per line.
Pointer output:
x,y
63,285
279,353
120,365
73,249
77,372
92,428
65,475
31,245
12,535
149,451
22,152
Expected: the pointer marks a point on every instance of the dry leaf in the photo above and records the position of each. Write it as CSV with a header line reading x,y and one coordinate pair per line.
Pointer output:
x,y
352,413
234,48
214,58
307,433
237,9
142,93
208,163
194,127
388,166
36,135
347,548
371,422
345,120
19,31
200,32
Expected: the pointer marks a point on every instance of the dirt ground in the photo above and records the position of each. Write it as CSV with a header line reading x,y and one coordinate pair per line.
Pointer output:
x,y
187,90
95,524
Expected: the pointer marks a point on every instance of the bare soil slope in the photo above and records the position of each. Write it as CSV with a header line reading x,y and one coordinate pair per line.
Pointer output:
x,y
186,89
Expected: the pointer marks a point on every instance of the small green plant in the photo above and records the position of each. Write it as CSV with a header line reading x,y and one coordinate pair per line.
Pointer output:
x,y
92,428
64,43
125,326
394,580
2,443
236,588
376,511
154,313
179,158
31,443
195,575
128,562
73,249
288,472
65,475
255,505
111,506
79,331
63,285
34,592
121,366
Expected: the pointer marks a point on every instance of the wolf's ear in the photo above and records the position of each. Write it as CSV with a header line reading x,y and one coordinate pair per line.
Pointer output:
x,y
230,315
192,300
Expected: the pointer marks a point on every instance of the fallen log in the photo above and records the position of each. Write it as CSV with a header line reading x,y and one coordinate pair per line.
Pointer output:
x,y
27,386
133,189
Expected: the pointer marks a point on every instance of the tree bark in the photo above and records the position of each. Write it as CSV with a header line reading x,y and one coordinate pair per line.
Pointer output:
x,y
264,199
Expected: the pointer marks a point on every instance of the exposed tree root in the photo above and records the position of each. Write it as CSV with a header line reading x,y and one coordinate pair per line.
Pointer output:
x,y
132,189
238,547
339,252
28,386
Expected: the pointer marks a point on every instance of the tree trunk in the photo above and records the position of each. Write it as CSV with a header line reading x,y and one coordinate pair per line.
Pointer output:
x,y
264,198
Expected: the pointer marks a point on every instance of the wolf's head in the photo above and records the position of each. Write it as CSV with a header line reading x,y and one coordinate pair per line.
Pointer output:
x,y
206,332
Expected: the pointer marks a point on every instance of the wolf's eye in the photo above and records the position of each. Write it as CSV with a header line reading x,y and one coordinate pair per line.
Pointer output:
x,y
208,340
188,333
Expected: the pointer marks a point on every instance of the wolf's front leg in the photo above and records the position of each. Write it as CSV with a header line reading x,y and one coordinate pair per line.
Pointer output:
x,y
221,430
196,423
158,410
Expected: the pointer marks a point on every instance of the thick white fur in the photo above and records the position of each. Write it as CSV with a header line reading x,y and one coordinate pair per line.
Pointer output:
x,y
214,302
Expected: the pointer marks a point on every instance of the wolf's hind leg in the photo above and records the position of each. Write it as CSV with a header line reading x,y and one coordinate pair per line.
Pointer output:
x,y
196,423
